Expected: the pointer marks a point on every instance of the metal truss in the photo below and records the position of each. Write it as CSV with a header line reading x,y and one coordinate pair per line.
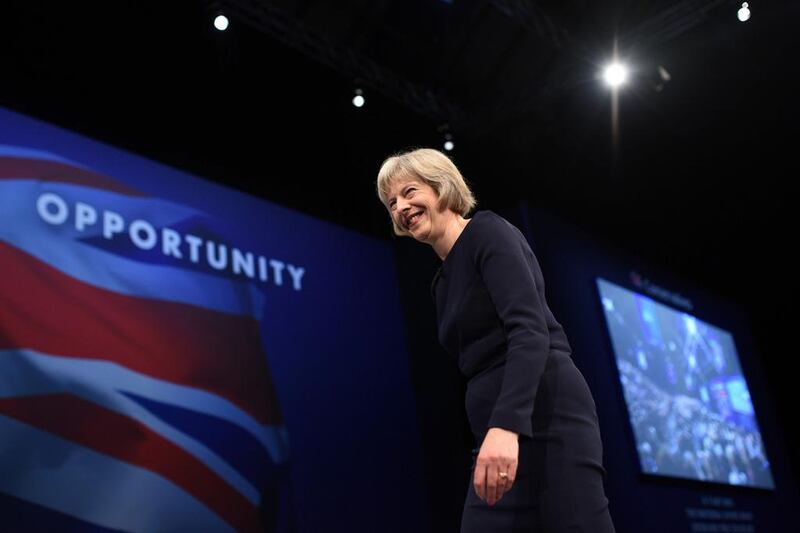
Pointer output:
x,y
533,18
276,23
670,23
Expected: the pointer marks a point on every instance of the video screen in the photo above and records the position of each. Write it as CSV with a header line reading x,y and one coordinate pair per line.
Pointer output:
x,y
687,397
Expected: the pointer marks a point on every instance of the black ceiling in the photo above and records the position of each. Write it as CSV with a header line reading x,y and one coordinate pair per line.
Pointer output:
x,y
700,180
513,81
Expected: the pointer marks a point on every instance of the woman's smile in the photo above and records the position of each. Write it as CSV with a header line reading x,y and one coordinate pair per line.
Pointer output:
x,y
413,219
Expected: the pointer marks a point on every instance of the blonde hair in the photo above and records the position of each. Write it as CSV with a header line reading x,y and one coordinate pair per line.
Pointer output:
x,y
432,167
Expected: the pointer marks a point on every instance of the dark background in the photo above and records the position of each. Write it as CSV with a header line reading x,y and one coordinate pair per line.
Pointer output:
x,y
700,180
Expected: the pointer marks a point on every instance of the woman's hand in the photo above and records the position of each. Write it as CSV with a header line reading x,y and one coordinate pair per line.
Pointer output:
x,y
496,466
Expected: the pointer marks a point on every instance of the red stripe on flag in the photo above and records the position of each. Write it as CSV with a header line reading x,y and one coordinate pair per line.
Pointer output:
x,y
39,169
43,309
118,436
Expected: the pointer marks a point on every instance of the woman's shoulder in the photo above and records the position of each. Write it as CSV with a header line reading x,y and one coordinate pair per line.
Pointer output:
x,y
489,223
493,234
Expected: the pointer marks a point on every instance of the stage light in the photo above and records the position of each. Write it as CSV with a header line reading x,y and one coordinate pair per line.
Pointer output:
x,y
221,22
661,79
358,99
615,74
448,143
744,12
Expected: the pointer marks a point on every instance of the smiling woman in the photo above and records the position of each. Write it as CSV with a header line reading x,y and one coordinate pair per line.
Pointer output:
x,y
434,172
538,465
426,196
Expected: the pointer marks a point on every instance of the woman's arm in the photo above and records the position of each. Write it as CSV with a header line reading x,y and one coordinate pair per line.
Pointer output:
x,y
505,262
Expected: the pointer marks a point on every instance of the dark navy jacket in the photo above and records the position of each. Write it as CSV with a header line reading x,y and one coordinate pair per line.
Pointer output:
x,y
493,317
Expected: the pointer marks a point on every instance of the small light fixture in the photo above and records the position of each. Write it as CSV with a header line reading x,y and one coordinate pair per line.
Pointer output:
x,y
221,22
744,12
662,79
358,99
448,142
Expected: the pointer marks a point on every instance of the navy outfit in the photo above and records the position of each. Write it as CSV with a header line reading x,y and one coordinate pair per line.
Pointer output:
x,y
493,317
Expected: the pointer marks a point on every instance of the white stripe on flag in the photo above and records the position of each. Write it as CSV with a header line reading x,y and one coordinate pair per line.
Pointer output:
x,y
58,474
27,372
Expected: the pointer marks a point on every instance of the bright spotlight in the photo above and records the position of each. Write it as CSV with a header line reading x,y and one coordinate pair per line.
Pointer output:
x,y
744,12
221,22
358,99
615,74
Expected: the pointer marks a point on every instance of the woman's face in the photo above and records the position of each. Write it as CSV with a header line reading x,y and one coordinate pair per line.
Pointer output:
x,y
413,205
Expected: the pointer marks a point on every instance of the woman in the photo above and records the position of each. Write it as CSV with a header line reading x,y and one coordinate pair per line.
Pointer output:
x,y
539,462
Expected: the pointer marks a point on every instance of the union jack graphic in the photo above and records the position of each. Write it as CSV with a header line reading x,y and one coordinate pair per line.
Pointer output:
x,y
134,392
